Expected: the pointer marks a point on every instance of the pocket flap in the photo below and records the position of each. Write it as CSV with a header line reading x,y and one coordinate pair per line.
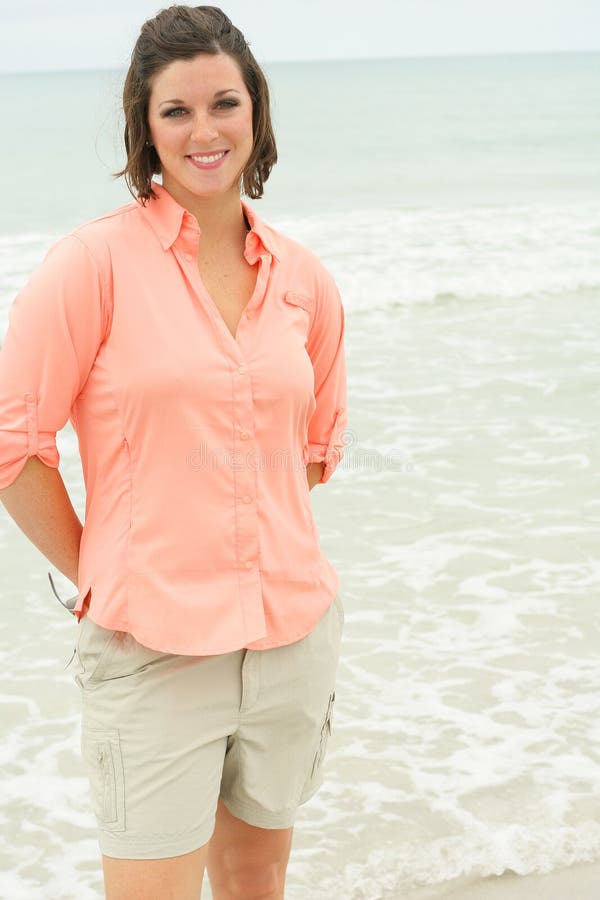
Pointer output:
x,y
302,300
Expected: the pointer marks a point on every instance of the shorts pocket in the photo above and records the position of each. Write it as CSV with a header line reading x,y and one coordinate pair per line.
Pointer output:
x,y
325,732
93,650
101,751
103,655
340,608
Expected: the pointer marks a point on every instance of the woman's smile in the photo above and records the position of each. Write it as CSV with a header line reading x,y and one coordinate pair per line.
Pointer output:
x,y
208,160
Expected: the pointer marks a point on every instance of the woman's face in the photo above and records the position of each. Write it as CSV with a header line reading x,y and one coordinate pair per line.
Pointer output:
x,y
201,107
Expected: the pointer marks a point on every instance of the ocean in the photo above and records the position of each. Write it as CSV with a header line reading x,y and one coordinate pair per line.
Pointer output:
x,y
457,203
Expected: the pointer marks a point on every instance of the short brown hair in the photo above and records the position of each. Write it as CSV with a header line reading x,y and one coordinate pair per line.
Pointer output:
x,y
183,32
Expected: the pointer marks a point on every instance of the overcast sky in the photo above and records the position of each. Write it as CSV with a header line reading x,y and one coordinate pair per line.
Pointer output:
x,y
38,35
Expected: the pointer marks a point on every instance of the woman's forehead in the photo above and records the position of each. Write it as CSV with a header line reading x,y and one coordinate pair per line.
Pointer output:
x,y
202,76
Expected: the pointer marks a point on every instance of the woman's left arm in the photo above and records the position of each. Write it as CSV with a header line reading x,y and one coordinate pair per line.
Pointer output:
x,y
314,473
326,349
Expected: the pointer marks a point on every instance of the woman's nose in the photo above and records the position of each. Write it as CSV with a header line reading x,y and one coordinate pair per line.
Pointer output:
x,y
203,130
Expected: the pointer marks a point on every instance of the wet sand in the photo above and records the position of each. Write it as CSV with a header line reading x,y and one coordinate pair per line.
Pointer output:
x,y
576,882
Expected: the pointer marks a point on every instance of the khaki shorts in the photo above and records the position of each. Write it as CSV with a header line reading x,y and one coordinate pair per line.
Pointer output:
x,y
164,736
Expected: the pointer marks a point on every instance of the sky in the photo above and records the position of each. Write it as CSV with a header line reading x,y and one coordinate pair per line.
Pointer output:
x,y
37,35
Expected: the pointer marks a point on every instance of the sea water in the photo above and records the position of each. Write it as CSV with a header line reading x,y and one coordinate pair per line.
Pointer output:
x,y
457,203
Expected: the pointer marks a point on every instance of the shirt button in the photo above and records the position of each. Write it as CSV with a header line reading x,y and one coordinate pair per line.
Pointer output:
x,y
249,314
244,435
248,563
247,499
241,369
188,256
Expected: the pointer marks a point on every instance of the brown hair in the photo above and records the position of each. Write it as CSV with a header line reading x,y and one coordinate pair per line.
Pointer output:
x,y
183,32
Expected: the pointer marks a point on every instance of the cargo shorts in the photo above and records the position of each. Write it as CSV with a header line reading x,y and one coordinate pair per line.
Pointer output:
x,y
163,736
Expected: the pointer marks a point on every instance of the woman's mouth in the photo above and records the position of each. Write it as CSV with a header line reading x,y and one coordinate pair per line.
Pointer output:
x,y
208,160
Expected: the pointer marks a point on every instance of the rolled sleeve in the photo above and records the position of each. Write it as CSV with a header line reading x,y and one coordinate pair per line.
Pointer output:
x,y
56,325
326,350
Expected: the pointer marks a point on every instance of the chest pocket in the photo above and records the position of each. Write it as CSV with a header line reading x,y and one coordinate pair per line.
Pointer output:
x,y
301,300
305,306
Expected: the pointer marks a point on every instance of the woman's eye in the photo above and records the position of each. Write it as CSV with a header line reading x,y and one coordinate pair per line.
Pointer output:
x,y
224,104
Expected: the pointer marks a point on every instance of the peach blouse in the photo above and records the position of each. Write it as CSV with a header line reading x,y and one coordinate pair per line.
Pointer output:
x,y
199,536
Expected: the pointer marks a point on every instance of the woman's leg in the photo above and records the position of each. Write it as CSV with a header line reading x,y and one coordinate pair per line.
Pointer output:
x,y
173,878
245,862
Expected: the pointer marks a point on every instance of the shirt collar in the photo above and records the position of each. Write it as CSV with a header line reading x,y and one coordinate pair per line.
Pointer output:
x,y
166,217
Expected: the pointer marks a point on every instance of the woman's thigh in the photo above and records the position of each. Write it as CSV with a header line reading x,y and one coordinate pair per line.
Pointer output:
x,y
174,878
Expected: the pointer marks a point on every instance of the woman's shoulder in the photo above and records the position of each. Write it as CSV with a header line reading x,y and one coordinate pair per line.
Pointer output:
x,y
98,237
108,225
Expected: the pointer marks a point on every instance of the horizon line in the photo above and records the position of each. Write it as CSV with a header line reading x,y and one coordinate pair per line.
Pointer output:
x,y
414,56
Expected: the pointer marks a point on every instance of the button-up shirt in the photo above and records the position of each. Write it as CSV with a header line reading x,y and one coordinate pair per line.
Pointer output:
x,y
199,535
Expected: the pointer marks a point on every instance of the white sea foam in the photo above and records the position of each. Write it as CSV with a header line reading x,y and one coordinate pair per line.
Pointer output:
x,y
385,258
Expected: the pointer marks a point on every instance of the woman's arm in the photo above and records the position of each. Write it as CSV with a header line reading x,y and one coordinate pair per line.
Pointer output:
x,y
57,323
38,502
314,473
326,428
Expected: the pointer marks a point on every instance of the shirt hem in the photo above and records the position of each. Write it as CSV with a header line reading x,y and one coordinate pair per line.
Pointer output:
x,y
265,644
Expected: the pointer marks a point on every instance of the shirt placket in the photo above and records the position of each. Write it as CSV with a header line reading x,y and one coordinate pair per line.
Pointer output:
x,y
244,459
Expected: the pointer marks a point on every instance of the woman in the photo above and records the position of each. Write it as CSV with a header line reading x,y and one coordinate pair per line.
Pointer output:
x,y
199,355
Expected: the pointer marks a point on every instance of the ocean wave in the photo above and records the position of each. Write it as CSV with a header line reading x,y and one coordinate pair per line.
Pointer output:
x,y
388,257
391,872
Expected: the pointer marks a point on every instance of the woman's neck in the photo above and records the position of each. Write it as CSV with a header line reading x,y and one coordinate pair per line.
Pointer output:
x,y
221,217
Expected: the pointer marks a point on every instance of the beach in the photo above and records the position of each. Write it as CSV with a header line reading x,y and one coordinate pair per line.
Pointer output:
x,y
464,517
578,882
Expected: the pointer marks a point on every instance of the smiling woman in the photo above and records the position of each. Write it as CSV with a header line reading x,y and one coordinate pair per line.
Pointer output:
x,y
200,355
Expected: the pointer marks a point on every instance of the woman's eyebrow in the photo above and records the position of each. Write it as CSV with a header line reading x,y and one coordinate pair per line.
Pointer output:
x,y
217,94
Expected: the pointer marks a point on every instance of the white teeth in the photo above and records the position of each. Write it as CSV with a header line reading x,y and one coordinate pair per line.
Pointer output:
x,y
209,159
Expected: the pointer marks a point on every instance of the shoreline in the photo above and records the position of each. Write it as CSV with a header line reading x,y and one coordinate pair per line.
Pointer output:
x,y
580,881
